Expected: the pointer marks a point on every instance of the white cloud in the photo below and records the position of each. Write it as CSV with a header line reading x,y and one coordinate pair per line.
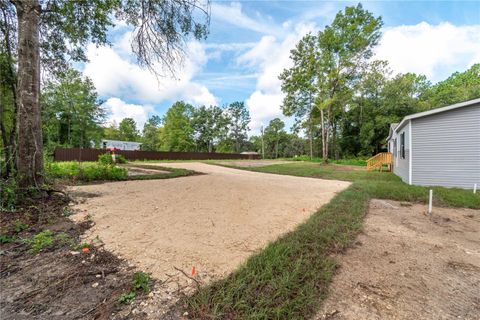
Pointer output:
x,y
115,74
118,110
233,15
430,49
269,57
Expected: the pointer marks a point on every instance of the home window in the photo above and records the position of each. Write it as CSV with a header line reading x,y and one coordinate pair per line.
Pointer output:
x,y
402,145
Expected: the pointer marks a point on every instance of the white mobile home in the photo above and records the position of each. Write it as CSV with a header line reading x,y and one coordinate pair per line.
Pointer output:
x,y
439,147
120,145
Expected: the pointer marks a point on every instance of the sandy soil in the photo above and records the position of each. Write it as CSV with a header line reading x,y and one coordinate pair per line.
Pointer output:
x,y
212,221
408,266
136,171
252,163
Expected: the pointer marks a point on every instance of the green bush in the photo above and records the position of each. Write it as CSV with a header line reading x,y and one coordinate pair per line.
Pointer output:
x,y
107,159
84,171
8,195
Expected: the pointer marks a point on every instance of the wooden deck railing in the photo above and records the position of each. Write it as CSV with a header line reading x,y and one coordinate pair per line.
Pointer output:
x,y
380,159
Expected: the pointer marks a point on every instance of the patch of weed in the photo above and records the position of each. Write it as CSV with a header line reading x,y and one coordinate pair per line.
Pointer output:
x,y
40,241
4,238
127,297
19,226
141,280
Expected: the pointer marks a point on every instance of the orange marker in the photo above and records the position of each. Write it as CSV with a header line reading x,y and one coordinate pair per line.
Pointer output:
x,y
85,250
194,271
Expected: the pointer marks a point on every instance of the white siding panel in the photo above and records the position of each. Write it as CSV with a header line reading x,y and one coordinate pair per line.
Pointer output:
x,y
446,148
400,166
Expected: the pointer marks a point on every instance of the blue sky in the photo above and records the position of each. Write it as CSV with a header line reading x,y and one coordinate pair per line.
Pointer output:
x,y
249,46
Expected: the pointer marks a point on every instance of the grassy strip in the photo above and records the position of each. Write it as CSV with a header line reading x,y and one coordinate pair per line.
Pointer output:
x,y
381,185
351,162
289,279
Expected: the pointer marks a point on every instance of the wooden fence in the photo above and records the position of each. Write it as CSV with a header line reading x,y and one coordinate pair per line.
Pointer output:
x,y
81,154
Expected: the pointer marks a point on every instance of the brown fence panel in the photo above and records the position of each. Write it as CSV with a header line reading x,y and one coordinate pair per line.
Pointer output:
x,y
80,154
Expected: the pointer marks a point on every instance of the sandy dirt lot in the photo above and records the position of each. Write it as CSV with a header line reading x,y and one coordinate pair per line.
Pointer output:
x,y
406,266
212,221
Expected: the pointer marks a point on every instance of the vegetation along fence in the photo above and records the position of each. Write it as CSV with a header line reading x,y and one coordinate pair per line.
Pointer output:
x,y
80,154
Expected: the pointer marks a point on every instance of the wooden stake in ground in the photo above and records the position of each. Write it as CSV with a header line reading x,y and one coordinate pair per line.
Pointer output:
x,y
430,196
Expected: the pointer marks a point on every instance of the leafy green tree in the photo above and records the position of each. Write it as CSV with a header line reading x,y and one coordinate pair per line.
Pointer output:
x,y
460,86
209,125
334,61
51,33
71,111
151,134
111,132
238,120
177,132
127,130
344,49
298,86
274,133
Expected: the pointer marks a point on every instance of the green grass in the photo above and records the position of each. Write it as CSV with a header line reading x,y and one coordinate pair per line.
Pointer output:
x,y
352,162
290,277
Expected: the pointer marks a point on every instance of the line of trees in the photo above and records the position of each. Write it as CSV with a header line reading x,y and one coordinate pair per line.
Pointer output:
x,y
336,91
44,35
186,128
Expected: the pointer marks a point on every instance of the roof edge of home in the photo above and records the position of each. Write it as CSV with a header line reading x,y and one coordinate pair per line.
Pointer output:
x,y
435,111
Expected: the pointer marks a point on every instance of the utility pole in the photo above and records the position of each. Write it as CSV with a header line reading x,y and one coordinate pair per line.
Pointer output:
x,y
263,145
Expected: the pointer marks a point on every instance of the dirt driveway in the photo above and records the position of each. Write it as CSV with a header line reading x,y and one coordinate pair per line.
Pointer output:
x,y
407,266
212,221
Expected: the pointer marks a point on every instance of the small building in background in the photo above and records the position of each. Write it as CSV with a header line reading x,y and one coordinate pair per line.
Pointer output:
x,y
439,147
120,145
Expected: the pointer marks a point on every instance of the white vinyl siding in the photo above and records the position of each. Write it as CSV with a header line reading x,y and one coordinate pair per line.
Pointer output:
x,y
446,148
400,165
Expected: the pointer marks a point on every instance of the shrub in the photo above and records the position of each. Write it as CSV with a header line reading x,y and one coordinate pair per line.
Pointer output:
x,y
107,159
85,171
8,195
121,159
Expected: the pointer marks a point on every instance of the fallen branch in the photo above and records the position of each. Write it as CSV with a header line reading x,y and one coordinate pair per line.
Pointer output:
x,y
186,275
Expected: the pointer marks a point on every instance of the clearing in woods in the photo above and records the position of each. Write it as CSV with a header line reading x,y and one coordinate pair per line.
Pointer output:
x,y
213,221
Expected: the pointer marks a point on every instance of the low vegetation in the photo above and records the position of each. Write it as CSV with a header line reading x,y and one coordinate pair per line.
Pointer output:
x,y
352,161
84,171
290,278
140,282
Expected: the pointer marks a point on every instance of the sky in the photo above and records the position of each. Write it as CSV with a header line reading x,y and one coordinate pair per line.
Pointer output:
x,y
249,46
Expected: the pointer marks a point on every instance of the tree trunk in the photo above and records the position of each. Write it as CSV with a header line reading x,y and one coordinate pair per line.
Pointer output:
x,y
276,149
327,135
30,145
324,137
310,127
